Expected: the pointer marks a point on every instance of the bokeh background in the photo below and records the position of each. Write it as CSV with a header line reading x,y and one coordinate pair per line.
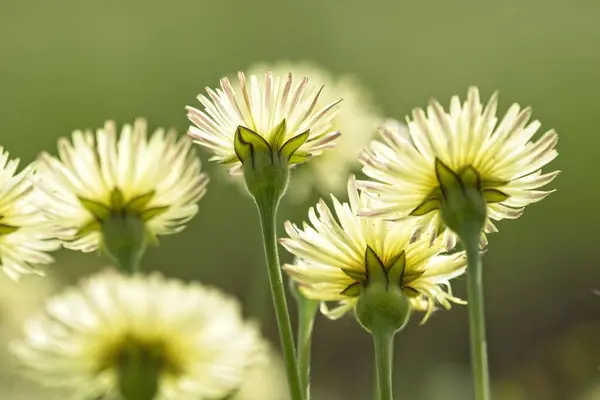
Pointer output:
x,y
69,64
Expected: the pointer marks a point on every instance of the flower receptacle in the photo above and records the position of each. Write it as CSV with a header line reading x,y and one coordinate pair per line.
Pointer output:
x,y
266,164
463,206
382,305
124,241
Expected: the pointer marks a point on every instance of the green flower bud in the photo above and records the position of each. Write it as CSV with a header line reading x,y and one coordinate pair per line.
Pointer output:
x,y
382,305
266,165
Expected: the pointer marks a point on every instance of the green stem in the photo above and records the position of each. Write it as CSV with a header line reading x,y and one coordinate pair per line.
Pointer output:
x,y
479,359
307,309
384,345
267,209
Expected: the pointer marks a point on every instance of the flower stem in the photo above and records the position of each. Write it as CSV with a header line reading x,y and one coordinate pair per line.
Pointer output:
x,y
267,209
384,344
479,361
307,309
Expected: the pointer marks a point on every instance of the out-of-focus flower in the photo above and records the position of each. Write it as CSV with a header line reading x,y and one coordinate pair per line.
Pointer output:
x,y
18,301
357,119
25,235
99,178
141,336
277,109
265,381
466,147
332,256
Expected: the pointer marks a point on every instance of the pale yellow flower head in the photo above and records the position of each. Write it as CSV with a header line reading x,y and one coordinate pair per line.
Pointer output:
x,y
357,119
502,161
261,105
116,330
25,234
330,263
98,176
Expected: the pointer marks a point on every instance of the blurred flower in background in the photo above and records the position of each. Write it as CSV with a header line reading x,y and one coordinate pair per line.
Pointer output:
x,y
25,234
265,381
97,177
17,303
331,266
262,106
142,336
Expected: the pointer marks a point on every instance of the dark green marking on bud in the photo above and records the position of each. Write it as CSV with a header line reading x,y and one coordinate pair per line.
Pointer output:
x,y
396,271
290,148
462,198
382,304
247,144
376,271
266,165
353,290
462,207
356,275
466,179
431,203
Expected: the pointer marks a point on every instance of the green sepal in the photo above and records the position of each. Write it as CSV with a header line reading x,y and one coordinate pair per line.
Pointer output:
x,y
396,271
431,203
358,276
247,143
492,183
411,292
299,157
278,135
291,146
150,213
139,203
99,210
353,290
448,179
470,177
7,229
494,196
229,160
376,271
117,199
92,226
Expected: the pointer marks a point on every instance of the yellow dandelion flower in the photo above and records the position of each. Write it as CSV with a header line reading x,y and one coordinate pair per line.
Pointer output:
x,y
331,256
357,120
141,336
467,145
25,234
278,109
99,177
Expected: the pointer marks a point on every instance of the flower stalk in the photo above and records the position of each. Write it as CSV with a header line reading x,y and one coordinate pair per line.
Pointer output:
x,y
383,309
307,311
464,210
124,241
266,171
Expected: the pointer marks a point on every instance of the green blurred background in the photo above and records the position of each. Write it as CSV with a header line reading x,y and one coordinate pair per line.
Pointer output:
x,y
72,64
